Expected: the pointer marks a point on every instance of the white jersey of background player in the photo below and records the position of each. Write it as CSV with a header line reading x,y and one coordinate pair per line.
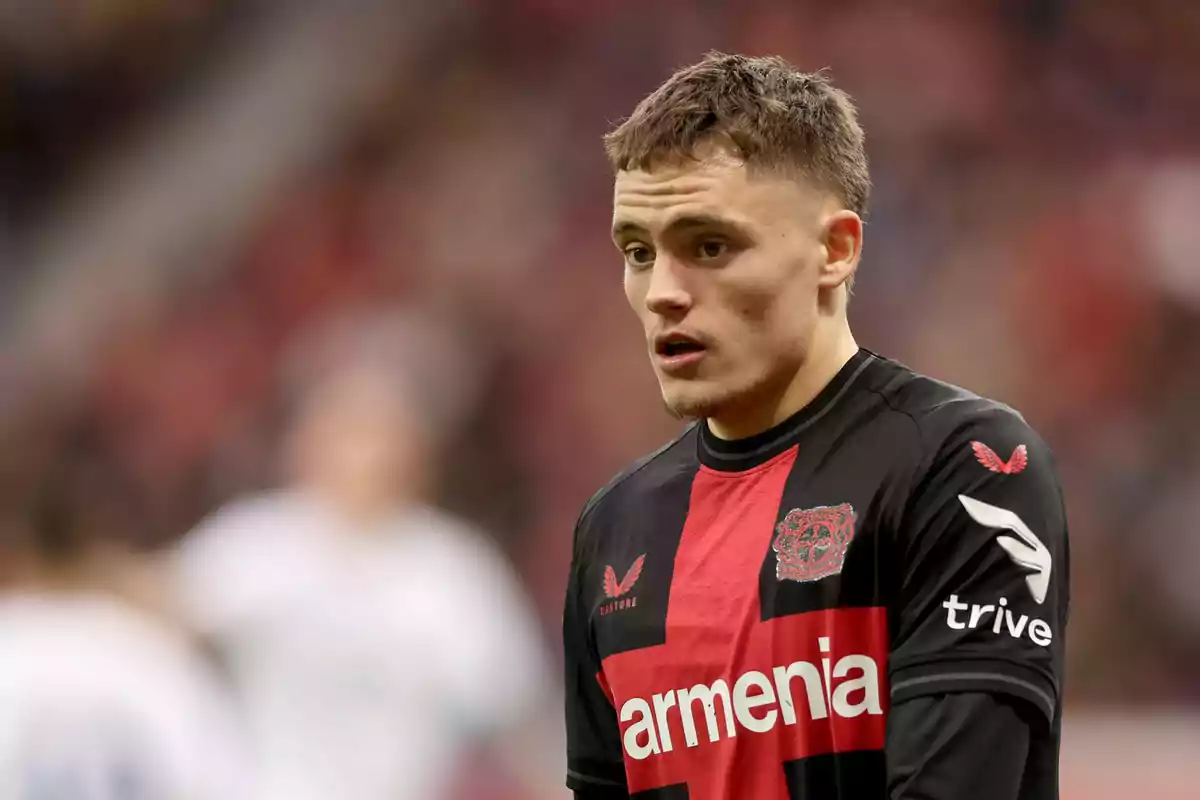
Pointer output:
x,y
373,639
99,700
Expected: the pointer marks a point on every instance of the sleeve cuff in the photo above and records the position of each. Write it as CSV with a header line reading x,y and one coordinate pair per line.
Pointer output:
x,y
995,676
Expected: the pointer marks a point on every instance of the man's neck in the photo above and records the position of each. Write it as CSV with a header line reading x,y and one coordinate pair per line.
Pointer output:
x,y
818,370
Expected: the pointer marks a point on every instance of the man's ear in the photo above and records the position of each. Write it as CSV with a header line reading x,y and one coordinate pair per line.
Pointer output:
x,y
841,238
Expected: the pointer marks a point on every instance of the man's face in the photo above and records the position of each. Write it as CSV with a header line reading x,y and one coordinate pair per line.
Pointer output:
x,y
356,439
722,267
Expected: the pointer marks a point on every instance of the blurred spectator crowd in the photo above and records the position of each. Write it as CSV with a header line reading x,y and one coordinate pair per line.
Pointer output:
x,y
1033,236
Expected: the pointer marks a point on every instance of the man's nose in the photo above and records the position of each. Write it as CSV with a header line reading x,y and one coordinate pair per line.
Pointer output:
x,y
668,294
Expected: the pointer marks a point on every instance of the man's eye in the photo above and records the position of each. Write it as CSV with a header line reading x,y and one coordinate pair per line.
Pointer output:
x,y
638,255
712,249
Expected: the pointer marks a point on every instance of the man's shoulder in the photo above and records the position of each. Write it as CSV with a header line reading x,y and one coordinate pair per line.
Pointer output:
x,y
944,413
251,524
645,477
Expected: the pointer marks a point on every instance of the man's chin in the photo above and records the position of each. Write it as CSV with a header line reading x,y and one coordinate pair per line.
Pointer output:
x,y
691,404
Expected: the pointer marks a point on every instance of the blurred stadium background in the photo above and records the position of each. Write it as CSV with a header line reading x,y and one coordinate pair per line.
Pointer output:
x,y
192,192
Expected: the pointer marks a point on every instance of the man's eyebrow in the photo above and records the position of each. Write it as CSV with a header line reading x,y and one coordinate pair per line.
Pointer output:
x,y
621,229
626,228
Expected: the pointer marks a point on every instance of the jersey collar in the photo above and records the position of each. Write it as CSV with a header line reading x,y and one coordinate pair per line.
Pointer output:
x,y
737,455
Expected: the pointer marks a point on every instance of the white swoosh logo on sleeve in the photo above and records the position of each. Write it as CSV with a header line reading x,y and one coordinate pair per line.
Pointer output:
x,y
1027,551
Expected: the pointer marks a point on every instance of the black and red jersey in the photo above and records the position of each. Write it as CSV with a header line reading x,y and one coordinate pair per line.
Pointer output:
x,y
743,618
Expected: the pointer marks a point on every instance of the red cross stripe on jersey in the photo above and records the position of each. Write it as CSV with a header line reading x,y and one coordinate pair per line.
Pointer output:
x,y
729,697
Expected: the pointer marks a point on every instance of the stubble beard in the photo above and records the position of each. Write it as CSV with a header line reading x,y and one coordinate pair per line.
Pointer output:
x,y
697,402
693,403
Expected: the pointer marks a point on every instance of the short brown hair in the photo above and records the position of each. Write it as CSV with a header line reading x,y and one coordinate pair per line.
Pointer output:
x,y
773,114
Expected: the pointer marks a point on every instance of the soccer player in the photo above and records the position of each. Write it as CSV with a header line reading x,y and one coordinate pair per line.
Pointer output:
x,y
376,641
101,697
844,579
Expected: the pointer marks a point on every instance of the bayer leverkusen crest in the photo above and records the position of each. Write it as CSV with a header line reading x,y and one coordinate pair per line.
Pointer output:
x,y
810,543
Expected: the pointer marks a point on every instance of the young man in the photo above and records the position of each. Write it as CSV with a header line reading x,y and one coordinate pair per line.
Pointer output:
x,y
845,580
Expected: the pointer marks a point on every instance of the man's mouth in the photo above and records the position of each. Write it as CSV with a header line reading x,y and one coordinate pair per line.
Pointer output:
x,y
676,351
679,347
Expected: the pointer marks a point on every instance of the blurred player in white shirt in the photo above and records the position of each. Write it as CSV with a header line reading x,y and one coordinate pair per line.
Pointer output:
x,y
99,700
374,640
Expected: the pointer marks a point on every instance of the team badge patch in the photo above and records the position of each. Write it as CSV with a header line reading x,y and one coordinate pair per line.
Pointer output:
x,y
810,543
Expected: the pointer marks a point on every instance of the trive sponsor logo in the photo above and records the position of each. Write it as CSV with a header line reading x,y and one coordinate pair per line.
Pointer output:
x,y
757,701
997,617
